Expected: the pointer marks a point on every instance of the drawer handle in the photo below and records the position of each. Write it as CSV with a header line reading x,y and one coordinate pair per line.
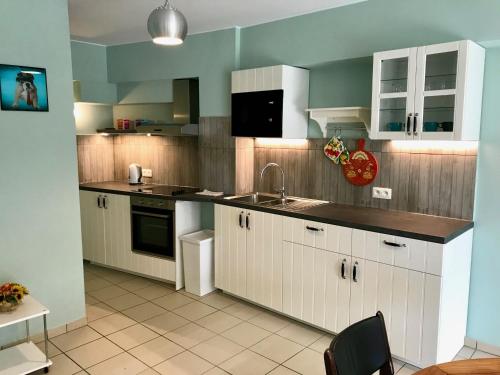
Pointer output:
x,y
342,268
314,229
394,244
241,219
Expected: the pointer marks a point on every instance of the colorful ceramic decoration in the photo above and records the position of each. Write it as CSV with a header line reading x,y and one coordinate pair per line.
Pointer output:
x,y
336,151
362,167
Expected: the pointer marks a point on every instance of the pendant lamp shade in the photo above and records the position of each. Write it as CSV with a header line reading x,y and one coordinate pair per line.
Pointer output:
x,y
167,26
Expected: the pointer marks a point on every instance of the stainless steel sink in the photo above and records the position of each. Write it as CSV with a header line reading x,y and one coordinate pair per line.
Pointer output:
x,y
272,201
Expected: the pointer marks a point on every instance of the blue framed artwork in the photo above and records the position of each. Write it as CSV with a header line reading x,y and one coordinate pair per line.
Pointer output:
x,y
23,88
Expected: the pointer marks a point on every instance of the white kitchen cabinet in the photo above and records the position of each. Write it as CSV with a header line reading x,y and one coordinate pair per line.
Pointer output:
x,y
92,218
428,93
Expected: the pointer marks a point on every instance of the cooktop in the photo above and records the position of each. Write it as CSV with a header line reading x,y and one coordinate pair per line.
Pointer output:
x,y
168,190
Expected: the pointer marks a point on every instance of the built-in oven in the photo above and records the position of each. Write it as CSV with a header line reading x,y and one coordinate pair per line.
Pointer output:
x,y
153,226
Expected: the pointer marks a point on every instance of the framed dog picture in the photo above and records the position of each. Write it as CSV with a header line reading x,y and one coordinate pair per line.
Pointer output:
x,y
23,88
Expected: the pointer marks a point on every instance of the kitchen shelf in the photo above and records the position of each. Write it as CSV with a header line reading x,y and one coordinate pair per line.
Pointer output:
x,y
393,95
24,358
325,116
446,92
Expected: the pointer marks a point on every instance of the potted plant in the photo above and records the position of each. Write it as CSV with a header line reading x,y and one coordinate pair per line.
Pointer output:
x,y
11,296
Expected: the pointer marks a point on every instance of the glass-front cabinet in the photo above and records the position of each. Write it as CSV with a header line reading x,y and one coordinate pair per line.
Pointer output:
x,y
429,93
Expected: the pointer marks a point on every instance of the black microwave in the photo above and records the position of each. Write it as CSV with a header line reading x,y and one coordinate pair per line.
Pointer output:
x,y
257,114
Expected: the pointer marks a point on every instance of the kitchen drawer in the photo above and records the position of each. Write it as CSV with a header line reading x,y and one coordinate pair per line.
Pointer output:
x,y
318,235
398,251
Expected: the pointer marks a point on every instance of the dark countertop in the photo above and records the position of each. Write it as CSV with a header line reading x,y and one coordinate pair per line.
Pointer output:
x,y
124,188
429,228
398,223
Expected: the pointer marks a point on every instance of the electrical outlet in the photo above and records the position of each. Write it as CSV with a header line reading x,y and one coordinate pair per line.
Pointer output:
x,y
147,173
382,193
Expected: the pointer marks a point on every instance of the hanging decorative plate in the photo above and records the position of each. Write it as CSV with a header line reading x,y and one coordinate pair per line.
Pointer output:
x,y
362,167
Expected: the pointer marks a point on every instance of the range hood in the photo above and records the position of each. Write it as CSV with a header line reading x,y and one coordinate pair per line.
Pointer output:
x,y
185,108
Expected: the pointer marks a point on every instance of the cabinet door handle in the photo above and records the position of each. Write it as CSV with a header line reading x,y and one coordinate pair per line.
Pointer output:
x,y
248,221
342,268
394,244
415,124
314,229
355,272
408,124
105,202
241,219
99,204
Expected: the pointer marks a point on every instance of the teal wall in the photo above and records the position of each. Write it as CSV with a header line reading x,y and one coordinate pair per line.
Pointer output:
x,y
89,62
40,235
484,305
361,29
209,56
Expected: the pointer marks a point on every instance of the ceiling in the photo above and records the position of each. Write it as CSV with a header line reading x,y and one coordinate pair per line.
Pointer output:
x,y
111,22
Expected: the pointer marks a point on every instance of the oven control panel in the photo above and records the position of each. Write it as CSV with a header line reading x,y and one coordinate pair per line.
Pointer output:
x,y
159,203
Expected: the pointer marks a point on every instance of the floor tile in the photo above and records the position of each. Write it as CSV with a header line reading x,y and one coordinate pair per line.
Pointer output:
x,y
96,283
397,364
185,363
144,311
407,370
282,371
154,291
218,321
321,344
111,323
190,295
277,348
242,310
216,371
149,371
108,293
136,284
89,300
300,333
194,310
246,334
172,301
94,352
269,321
156,351
166,322
248,363
481,354
117,277
62,365
189,335
217,350
97,311
217,300
52,349
125,301
122,364
75,338
307,362
133,336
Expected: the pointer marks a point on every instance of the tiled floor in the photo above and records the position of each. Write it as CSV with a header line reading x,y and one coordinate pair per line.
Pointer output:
x,y
138,326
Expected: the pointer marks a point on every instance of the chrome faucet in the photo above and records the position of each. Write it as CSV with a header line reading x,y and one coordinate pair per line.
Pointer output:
x,y
281,191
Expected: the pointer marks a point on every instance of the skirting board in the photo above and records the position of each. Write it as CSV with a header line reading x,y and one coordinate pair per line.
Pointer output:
x,y
484,347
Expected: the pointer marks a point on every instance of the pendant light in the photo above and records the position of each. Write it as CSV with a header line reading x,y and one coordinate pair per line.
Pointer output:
x,y
167,26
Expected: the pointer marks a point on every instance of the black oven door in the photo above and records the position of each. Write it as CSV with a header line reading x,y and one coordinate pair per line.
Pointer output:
x,y
153,231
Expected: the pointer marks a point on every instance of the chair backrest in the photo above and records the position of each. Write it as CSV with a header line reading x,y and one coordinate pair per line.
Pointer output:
x,y
361,349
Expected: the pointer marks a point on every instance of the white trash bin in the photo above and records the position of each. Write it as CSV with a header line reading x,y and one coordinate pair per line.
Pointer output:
x,y
198,254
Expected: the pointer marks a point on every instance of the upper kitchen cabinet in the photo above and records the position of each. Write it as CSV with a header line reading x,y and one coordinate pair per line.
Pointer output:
x,y
428,93
157,91
94,92
270,102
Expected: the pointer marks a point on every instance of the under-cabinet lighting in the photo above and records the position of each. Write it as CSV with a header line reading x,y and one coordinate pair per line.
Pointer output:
x,y
434,145
149,134
278,142
104,134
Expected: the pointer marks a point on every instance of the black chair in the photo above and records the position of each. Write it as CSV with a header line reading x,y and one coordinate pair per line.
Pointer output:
x,y
361,349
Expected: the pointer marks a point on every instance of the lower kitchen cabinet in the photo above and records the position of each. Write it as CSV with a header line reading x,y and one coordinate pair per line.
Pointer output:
x,y
331,277
92,221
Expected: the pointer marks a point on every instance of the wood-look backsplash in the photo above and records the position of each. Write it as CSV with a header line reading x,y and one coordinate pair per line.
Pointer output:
x,y
429,181
173,160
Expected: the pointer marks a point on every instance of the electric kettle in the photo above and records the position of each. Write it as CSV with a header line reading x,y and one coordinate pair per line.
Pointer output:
x,y
134,174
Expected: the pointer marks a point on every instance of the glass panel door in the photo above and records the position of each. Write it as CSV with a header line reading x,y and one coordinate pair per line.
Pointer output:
x,y
441,71
394,92
439,114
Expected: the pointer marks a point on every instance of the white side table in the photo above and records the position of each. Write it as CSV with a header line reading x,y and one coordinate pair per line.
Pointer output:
x,y
26,357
